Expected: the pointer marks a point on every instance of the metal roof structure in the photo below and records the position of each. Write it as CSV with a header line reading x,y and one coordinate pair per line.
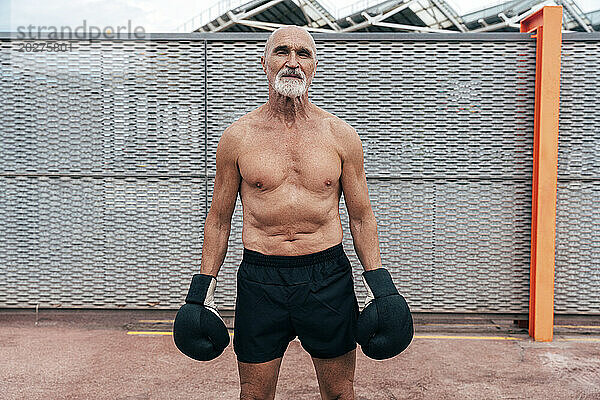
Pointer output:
x,y
261,15
386,16
506,17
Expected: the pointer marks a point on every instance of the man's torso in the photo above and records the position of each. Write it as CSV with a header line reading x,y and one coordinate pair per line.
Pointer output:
x,y
290,184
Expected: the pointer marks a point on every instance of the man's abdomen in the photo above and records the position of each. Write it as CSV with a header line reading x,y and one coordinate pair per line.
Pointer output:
x,y
291,225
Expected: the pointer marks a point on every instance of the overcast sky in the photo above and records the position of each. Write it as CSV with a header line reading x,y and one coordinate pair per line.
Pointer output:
x,y
156,15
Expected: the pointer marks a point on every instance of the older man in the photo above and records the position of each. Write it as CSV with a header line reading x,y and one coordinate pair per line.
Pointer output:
x,y
290,161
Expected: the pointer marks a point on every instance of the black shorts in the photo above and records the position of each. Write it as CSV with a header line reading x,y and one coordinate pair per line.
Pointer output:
x,y
280,297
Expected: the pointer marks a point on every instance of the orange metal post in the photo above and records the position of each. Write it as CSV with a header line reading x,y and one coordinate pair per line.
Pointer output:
x,y
547,22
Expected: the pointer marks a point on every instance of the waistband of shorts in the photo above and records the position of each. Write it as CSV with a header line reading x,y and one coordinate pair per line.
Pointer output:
x,y
254,257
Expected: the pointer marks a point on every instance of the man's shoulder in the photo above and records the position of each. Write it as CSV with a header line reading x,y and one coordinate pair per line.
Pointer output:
x,y
240,127
237,131
338,126
345,135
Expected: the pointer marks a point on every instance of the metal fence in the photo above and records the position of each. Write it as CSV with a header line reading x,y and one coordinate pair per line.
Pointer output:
x,y
108,159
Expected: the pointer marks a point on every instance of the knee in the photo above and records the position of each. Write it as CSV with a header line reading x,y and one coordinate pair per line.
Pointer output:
x,y
344,396
250,392
247,396
346,393
251,396
341,396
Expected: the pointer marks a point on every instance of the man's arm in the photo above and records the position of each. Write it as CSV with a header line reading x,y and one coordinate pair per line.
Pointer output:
x,y
354,185
380,335
218,220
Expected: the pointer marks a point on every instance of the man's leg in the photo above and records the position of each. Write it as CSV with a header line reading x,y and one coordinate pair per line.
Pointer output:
x,y
259,380
336,376
325,321
262,328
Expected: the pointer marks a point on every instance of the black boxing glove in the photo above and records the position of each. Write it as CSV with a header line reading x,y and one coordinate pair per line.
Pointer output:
x,y
385,326
199,331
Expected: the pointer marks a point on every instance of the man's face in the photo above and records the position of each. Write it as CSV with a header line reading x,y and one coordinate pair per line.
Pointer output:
x,y
290,62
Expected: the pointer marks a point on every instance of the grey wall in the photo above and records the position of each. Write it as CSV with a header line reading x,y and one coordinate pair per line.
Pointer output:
x,y
107,165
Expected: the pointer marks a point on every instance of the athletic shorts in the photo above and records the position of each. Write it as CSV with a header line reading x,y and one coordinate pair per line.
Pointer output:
x,y
280,297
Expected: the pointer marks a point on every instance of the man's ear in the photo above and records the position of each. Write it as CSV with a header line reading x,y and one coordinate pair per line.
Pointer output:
x,y
262,61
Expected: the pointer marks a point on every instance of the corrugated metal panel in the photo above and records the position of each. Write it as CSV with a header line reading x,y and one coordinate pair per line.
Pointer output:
x,y
87,242
446,131
103,174
423,109
577,276
103,162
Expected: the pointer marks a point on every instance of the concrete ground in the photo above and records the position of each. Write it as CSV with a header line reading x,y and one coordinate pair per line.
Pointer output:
x,y
130,355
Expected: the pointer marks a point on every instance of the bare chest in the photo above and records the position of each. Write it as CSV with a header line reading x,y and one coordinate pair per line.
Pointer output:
x,y
312,163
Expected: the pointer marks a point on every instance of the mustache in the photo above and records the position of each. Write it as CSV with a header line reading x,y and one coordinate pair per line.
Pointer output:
x,y
295,72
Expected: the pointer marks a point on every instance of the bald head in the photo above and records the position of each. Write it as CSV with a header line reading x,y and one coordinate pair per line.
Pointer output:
x,y
294,30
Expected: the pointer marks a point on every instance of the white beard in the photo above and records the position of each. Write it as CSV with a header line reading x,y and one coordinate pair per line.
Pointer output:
x,y
290,87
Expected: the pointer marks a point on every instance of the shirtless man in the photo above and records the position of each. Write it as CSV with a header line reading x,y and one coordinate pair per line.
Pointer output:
x,y
290,161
